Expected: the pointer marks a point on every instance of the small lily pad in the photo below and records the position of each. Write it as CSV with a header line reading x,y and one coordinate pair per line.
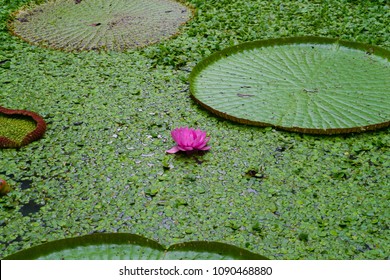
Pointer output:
x,y
126,246
304,84
19,127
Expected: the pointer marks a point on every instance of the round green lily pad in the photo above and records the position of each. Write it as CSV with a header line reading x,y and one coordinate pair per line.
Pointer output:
x,y
97,24
303,84
126,246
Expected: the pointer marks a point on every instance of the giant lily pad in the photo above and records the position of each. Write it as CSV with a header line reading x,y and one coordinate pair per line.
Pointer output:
x,y
126,246
99,24
304,84
20,127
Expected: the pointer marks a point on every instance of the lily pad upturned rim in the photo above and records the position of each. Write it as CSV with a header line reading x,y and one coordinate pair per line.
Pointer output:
x,y
367,48
34,135
40,251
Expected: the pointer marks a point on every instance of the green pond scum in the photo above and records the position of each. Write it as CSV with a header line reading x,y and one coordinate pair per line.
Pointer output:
x,y
101,165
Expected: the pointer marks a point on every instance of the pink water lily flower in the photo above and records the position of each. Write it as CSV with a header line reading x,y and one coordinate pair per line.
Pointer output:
x,y
189,139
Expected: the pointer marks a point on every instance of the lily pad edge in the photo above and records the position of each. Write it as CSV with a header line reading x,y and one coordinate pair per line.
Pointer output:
x,y
132,239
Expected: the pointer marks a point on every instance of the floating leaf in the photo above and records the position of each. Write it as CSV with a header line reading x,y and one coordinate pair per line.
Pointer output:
x,y
19,127
126,246
97,24
304,84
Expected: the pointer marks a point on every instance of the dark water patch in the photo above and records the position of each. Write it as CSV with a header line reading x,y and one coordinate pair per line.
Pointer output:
x,y
30,208
25,184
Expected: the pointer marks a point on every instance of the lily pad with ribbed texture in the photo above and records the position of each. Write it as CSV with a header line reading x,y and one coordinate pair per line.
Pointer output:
x,y
126,246
99,24
304,84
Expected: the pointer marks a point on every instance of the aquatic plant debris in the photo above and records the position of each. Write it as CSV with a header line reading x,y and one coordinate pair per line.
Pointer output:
x,y
189,139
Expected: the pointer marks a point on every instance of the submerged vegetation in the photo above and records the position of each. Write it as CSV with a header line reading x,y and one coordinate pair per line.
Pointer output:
x,y
102,166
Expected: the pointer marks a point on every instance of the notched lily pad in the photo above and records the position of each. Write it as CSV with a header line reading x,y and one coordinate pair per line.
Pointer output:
x,y
20,127
126,246
95,24
304,84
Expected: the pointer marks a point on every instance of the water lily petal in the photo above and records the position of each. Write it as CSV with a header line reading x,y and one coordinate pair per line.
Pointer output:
x,y
205,148
173,150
